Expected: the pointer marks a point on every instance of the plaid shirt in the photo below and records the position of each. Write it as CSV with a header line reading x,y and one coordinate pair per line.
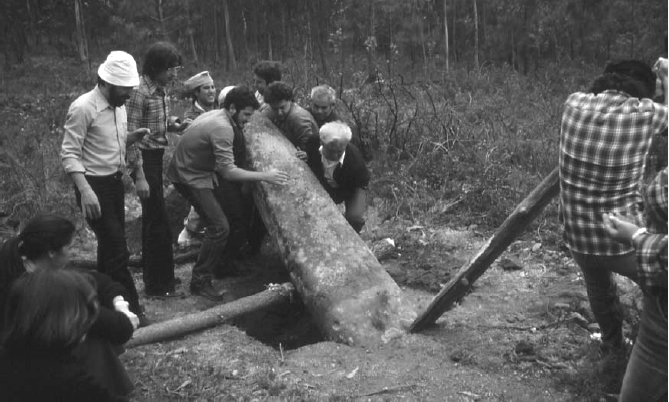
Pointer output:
x,y
603,141
651,248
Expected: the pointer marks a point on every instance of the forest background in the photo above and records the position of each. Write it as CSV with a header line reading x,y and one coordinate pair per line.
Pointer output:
x,y
456,103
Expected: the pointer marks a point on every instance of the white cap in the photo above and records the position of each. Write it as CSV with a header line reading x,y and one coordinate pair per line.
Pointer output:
x,y
223,94
119,69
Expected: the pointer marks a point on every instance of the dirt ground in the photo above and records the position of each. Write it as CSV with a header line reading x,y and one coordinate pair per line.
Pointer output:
x,y
524,333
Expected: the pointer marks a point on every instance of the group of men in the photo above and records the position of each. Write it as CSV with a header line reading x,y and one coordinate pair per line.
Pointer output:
x,y
121,126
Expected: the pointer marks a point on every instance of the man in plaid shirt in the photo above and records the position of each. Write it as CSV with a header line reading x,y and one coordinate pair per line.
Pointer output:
x,y
604,137
148,108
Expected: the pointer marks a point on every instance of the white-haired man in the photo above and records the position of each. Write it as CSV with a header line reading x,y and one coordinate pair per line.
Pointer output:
x,y
341,169
322,107
93,154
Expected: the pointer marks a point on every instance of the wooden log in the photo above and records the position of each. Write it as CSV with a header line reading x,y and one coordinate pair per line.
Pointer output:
x,y
351,298
136,262
181,326
521,217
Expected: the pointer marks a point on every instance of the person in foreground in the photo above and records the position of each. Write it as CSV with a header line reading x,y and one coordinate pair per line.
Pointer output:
x,y
207,151
48,314
646,375
44,245
604,136
340,168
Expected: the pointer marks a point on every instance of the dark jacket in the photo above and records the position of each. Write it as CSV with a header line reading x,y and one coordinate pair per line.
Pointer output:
x,y
352,174
45,377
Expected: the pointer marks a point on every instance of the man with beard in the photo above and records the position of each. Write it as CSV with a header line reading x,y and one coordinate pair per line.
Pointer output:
x,y
93,154
207,153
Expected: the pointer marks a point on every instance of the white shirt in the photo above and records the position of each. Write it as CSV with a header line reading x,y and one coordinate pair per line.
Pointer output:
x,y
329,167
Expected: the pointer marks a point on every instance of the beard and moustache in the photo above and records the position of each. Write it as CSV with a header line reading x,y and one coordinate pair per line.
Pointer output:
x,y
116,97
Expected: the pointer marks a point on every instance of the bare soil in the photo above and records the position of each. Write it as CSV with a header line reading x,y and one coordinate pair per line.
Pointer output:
x,y
523,334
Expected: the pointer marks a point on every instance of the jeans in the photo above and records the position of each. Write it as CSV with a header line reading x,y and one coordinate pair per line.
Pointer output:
x,y
646,374
157,258
214,251
109,229
602,291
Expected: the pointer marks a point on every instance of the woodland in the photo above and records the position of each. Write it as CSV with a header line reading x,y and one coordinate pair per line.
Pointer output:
x,y
456,107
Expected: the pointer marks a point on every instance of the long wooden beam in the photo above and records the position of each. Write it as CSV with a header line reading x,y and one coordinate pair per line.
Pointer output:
x,y
513,226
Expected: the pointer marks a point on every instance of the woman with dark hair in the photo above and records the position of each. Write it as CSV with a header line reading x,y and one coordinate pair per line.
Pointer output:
x,y
48,314
43,245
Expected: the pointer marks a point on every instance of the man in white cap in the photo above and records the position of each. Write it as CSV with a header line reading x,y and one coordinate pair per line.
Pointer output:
x,y
93,154
202,92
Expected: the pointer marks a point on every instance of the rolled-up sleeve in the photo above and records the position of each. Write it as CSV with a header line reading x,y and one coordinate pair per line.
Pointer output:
x,y
76,126
222,142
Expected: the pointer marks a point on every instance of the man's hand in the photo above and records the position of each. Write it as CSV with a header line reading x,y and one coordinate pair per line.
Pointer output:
x,y
276,177
122,307
136,136
301,155
142,187
90,205
183,125
619,229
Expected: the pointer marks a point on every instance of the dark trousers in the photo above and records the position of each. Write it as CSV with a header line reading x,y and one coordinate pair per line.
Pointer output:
x,y
109,230
157,258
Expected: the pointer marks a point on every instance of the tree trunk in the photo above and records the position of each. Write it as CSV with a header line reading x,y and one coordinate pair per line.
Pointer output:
x,y
189,30
513,226
476,37
348,293
201,320
161,19
82,41
454,25
228,36
446,35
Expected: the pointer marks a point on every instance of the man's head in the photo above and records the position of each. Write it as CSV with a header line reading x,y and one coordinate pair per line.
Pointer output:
x,y
279,96
322,101
335,136
240,103
201,88
632,77
117,76
162,63
264,73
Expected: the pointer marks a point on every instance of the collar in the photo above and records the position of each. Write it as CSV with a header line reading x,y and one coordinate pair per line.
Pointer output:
x,y
197,105
101,103
152,86
341,160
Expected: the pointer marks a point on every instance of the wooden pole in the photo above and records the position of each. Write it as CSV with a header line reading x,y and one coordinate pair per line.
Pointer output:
x,y
351,298
181,326
513,226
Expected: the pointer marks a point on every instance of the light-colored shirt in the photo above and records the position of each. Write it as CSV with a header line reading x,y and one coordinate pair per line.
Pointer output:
x,y
603,141
95,136
204,148
330,166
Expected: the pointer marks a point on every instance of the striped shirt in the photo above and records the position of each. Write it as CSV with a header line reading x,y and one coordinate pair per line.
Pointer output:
x,y
603,141
651,247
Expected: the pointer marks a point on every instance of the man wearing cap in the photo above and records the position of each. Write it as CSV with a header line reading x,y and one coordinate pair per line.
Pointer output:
x,y
93,154
206,151
148,108
322,106
202,91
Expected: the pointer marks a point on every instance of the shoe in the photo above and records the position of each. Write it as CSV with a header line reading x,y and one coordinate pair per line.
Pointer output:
x,y
207,291
163,294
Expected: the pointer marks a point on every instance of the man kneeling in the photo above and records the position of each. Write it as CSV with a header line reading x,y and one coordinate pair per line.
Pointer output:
x,y
340,168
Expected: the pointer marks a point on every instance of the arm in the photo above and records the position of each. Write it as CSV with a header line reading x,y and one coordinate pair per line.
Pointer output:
x,y
112,326
234,173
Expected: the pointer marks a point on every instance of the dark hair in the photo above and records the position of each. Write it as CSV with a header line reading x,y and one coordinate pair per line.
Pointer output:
x,y
160,57
49,310
633,77
277,92
241,97
269,71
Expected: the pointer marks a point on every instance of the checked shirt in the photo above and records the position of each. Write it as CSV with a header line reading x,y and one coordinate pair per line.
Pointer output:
x,y
603,142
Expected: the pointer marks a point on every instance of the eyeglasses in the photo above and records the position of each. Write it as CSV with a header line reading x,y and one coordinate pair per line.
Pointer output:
x,y
174,70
